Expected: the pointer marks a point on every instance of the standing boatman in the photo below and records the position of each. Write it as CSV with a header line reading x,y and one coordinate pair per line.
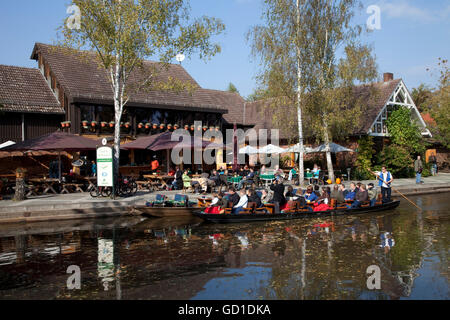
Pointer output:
x,y
385,180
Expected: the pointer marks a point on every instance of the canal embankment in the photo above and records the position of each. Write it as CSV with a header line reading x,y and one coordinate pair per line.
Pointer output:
x,y
82,206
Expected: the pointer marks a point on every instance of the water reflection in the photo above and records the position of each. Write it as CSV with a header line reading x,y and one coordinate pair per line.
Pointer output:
x,y
186,259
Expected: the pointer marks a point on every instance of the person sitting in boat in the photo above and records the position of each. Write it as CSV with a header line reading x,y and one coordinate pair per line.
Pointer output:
x,y
337,194
358,187
290,193
373,194
317,190
233,197
309,195
253,197
217,205
242,204
324,196
351,193
360,197
266,197
343,190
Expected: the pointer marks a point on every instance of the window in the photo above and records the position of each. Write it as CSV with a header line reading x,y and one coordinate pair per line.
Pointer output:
x,y
87,113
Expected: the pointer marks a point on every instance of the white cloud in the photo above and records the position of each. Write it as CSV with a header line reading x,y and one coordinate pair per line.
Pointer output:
x,y
403,9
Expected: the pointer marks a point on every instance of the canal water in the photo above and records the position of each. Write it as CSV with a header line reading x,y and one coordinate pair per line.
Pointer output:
x,y
136,258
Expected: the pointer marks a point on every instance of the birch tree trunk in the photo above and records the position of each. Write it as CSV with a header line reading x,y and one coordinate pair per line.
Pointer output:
x,y
328,154
118,98
301,174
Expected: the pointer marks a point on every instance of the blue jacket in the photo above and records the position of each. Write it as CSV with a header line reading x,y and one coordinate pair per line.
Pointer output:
x,y
389,177
350,195
311,197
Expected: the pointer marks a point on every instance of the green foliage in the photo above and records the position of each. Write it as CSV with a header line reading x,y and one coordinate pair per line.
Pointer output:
x,y
440,106
421,96
404,131
232,88
398,160
364,158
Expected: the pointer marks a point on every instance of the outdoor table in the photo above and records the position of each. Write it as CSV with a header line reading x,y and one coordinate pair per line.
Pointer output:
x,y
162,179
47,184
267,178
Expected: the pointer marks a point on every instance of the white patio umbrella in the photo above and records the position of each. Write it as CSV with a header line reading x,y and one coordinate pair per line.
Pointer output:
x,y
271,149
7,144
296,149
248,150
334,148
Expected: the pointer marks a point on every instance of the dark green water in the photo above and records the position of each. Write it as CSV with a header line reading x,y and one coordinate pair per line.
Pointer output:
x,y
185,259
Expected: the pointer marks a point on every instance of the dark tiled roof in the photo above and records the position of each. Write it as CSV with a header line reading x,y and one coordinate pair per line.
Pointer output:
x,y
25,90
375,96
83,78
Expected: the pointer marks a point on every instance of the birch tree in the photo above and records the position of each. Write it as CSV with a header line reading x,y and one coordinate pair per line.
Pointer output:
x,y
123,33
335,111
280,44
298,48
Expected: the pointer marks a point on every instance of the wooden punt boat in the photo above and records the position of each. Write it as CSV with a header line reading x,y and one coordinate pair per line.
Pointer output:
x,y
162,208
249,217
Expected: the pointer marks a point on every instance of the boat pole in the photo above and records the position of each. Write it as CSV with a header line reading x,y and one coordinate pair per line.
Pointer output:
x,y
415,205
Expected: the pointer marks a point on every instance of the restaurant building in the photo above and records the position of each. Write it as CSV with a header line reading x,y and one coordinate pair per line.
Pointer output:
x,y
70,91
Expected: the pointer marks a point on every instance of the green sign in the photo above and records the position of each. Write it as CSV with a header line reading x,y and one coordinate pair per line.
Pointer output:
x,y
105,172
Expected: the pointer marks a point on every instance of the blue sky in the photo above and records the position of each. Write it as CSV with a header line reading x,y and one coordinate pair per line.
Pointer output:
x,y
414,33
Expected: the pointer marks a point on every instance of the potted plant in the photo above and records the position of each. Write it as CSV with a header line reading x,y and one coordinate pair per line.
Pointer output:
x,y
186,127
63,124
217,128
169,127
127,125
155,126
192,127
68,124
85,123
140,125
93,124
112,124
205,128
162,126
104,124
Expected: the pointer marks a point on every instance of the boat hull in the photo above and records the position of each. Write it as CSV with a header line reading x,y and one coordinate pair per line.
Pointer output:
x,y
231,218
162,212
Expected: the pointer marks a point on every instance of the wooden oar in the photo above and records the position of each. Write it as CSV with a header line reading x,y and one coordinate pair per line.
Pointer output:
x,y
378,177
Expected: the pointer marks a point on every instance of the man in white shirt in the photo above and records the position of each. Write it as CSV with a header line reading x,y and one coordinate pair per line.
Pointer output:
x,y
243,202
385,180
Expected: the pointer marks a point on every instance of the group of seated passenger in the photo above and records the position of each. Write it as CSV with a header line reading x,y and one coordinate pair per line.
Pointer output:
x,y
358,194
